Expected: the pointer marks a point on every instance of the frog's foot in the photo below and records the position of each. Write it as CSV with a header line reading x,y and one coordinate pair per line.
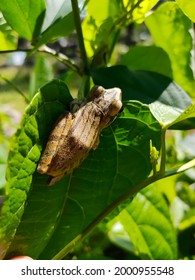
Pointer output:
x,y
53,180
76,104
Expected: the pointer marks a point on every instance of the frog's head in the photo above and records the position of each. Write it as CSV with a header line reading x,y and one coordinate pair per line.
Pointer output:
x,y
108,101
113,98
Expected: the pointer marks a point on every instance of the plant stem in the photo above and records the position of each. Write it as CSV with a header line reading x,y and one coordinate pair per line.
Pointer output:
x,y
121,199
77,20
107,211
163,153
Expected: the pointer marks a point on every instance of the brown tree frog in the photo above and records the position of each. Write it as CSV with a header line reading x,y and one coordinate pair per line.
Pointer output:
x,y
76,133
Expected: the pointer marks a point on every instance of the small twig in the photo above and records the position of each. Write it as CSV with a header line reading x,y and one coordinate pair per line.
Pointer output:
x,y
60,57
163,152
180,169
15,87
17,50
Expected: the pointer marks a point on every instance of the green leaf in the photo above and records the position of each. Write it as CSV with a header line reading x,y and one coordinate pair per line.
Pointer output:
x,y
4,143
188,220
145,58
7,37
24,16
58,21
176,118
165,114
41,114
188,7
77,200
3,157
60,28
188,117
54,218
144,86
137,9
185,192
147,222
55,12
99,28
170,29
41,74
167,101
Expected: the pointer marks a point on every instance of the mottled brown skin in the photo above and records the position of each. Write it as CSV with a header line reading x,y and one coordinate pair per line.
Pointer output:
x,y
75,134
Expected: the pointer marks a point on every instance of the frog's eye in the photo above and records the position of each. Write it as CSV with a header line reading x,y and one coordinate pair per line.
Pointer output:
x,y
96,92
115,107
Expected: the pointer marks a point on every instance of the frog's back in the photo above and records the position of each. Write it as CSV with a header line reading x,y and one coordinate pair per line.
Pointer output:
x,y
79,141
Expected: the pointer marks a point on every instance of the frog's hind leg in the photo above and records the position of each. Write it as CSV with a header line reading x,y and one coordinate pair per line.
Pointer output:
x,y
53,180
